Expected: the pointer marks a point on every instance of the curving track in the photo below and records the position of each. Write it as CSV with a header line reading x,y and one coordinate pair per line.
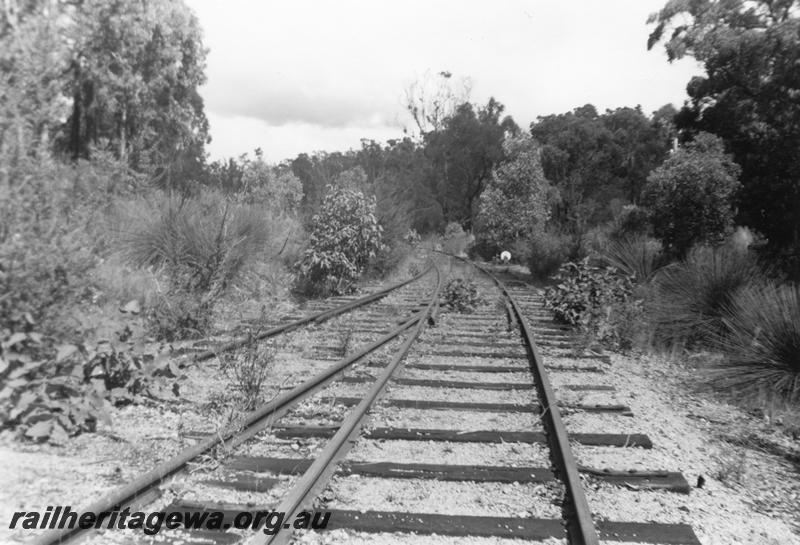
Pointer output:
x,y
457,432
143,493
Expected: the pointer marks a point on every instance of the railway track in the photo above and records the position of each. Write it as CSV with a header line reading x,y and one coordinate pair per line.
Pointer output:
x,y
459,432
414,303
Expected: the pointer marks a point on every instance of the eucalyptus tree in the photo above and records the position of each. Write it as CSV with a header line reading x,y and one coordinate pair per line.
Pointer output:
x,y
133,81
749,96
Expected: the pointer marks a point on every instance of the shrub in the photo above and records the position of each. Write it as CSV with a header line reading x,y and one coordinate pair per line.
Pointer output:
x,y
547,252
595,241
637,256
632,221
691,295
461,295
597,299
202,243
516,199
179,315
760,338
412,238
248,368
51,236
691,195
51,392
455,241
346,235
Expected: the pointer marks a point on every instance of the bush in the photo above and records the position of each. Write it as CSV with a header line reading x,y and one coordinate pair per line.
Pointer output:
x,y
345,237
632,221
51,392
516,199
547,252
691,295
637,256
691,195
455,240
51,236
412,238
461,295
248,368
600,300
202,243
760,338
179,315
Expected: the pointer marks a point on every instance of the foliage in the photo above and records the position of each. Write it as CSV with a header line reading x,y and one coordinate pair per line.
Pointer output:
x,y
632,221
268,186
203,243
53,392
547,251
462,155
179,315
691,295
455,241
432,99
124,75
515,201
461,295
584,289
134,75
453,230
639,257
412,238
691,195
33,57
593,159
248,368
761,342
346,235
600,300
748,96
52,233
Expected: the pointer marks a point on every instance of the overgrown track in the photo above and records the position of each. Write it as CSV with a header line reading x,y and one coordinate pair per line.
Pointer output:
x,y
463,413
144,490
314,318
427,386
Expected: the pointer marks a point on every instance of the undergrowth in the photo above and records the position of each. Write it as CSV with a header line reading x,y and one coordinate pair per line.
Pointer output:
x,y
692,295
760,340
461,295
248,368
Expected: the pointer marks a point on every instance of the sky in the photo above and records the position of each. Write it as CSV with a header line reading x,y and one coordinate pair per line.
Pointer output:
x,y
293,76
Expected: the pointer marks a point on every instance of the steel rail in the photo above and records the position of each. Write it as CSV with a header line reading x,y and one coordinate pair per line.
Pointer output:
x,y
580,527
320,471
318,317
234,435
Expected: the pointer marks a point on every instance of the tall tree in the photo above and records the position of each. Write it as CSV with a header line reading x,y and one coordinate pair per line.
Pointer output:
x,y
595,159
462,155
135,73
516,200
33,58
433,98
750,50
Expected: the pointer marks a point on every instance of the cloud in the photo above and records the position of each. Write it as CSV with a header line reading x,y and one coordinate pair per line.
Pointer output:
x,y
233,135
278,106
286,67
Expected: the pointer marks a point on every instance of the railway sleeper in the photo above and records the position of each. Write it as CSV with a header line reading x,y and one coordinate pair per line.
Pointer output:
x,y
480,436
636,480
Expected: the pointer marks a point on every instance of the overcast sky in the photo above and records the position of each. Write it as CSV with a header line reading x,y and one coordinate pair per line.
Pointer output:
x,y
291,76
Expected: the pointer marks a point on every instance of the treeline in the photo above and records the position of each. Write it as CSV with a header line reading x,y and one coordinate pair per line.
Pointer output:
x,y
103,78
